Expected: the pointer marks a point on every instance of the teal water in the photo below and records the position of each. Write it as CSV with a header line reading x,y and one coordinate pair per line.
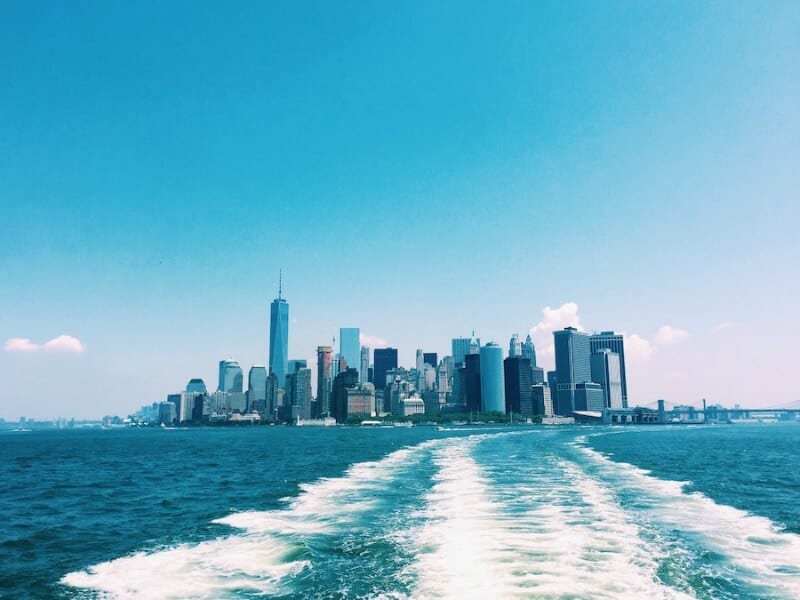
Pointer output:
x,y
660,512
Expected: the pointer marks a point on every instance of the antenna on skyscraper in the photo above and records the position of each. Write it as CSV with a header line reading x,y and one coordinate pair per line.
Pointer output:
x,y
280,283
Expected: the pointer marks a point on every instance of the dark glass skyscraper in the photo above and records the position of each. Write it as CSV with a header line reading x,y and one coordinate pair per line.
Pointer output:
x,y
430,358
573,365
471,382
383,359
279,337
615,343
517,379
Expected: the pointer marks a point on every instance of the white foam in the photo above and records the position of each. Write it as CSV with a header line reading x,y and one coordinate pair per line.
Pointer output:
x,y
264,555
760,553
553,533
203,570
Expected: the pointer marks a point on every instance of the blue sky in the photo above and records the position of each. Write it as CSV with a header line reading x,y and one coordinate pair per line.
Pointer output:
x,y
416,170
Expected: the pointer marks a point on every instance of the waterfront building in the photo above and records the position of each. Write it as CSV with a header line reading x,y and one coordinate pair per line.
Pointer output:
x,y
175,400
471,383
589,396
552,383
606,371
493,396
343,381
616,343
257,389
385,359
542,400
360,400
350,346
190,407
279,336
514,347
300,392
529,350
412,405
196,385
166,413
517,383
231,378
364,371
572,366
324,380
273,397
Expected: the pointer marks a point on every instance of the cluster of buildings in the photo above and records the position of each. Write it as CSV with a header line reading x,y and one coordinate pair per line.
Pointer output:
x,y
358,382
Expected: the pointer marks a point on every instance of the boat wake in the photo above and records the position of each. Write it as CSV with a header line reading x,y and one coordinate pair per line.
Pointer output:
x,y
493,515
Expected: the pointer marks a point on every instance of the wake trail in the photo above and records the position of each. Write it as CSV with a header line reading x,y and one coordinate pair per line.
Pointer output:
x,y
269,552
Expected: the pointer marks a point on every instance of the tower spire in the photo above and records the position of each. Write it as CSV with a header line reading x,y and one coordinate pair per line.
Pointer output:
x,y
280,284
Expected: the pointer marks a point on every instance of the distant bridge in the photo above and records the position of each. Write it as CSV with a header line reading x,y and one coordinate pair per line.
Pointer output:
x,y
664,411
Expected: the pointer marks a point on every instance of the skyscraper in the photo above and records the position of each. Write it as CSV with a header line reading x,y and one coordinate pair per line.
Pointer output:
x,y
257,389
514,346
350,346
364,370
552,383
384,359
606,372
460,347
197,385
517,380
343,381
230,376
542,401
493,394
300,392
279,336
572,365
295,364
614,342
324,379
430,358
464,346
470,380
529,350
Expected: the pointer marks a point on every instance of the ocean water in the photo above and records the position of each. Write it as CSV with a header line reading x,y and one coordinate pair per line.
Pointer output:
x,y
516,512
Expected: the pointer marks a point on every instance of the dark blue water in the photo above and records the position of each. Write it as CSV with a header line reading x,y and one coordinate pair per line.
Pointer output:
x,y
707,512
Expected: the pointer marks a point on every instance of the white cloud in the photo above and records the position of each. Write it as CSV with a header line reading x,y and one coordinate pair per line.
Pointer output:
x,y
372,341
20,345
637,348
667,335
64,343
722,327
554,319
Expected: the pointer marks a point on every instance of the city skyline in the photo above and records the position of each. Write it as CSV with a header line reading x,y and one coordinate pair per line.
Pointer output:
x,y
501,178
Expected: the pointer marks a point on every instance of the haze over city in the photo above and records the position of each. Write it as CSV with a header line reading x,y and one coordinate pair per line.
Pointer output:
x,y
418,172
